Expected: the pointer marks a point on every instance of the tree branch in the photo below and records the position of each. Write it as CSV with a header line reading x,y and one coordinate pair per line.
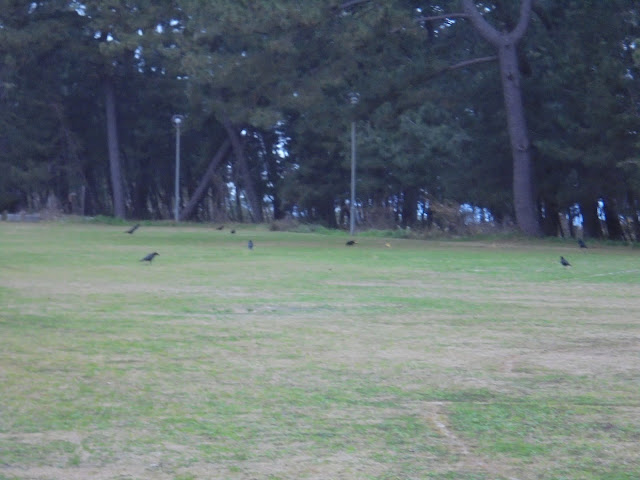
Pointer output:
x,y
351,3
542,15
486,30
442,17
464,63
525,12
490,33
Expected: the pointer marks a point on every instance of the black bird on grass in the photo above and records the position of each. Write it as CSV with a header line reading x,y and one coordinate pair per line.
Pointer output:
x,y
233,231
581,243
564,262
350,243
149,258
220,227
250,244
133,229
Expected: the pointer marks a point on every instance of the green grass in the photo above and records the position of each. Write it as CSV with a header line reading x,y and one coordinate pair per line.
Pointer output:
x,y
306,359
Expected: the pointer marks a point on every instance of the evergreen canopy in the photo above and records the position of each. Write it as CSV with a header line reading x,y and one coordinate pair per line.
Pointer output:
x,y
269,90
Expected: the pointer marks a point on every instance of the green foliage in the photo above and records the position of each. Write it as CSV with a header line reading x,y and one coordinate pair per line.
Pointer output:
x,y
421,148
581,101
284,72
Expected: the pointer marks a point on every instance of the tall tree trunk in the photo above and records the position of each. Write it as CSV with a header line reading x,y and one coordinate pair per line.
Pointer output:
x,y
551,221
140,197
612,219
590,221
114,149
505,43
572,231
274,179
635,221
254,202
203,184
278,212
238,210
409,206
326,212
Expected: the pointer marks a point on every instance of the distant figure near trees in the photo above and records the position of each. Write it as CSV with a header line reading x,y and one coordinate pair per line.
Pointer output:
x,y
581,243
250,244
149,258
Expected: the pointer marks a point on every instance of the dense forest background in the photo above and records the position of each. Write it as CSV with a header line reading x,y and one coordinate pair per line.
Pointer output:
x,y
270,89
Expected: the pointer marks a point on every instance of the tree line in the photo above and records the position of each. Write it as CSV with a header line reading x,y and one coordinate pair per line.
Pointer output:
x,y
527,112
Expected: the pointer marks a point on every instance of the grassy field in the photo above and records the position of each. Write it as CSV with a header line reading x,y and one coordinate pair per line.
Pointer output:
x,y
307,359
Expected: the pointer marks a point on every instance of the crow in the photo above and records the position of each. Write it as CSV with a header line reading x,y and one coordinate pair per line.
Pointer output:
x,y
233,231
149,258
220,227
133,229
564,262
250,244
581,243
350,243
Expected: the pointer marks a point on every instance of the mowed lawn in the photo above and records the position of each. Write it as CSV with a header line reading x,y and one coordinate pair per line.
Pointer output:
x,y
307,359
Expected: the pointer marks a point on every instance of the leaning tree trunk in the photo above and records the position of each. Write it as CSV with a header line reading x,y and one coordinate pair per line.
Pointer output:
x,y
114,149
255,204
187,211
505,43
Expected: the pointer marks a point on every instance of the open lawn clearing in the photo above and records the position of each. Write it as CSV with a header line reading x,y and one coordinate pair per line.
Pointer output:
x,y
307,359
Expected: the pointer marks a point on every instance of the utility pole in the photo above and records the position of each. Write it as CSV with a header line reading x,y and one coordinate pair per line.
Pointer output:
x,y
177,122
354,97
352,214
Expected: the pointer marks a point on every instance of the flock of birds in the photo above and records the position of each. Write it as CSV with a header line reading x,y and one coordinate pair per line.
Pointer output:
x,y
350,243
149,258
564,262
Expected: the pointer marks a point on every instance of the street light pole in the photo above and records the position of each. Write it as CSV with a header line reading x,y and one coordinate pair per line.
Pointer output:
x,y
354,97
177,122
352,214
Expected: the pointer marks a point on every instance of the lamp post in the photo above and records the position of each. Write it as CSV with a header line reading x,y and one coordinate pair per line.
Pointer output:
x,y
353,99
352,214
177,122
